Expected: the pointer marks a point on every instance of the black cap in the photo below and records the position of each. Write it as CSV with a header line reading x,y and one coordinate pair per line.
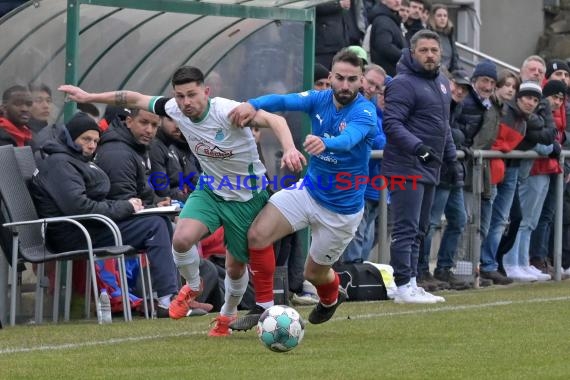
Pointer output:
x,y
460,77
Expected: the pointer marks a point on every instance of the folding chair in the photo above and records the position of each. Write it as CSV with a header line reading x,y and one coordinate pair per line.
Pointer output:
x,y
27,164
28,244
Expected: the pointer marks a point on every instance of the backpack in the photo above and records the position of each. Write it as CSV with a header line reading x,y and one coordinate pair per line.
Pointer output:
x,y
362,281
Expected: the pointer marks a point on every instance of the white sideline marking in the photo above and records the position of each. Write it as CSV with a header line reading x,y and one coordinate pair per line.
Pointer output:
x,y
454,308
363,316
97,343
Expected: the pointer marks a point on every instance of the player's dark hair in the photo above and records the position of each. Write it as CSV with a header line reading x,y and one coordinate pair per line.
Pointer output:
x,y
348,56
133,112
187,74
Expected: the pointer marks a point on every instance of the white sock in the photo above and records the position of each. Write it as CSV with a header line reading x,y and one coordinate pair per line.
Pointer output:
x,y
188,264
164,301
265,305
235,289
413,282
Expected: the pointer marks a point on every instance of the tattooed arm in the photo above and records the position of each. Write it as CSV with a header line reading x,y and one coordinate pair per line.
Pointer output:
x,y
121,98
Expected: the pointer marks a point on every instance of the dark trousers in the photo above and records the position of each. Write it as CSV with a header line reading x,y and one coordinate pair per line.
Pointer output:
x,y
540,242
288,253
411,215
151,233
508,239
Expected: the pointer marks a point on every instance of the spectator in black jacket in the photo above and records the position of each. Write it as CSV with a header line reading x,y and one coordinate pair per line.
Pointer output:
x,y
414,23
331,33
68,183
386,37
355,22
170,154
123,155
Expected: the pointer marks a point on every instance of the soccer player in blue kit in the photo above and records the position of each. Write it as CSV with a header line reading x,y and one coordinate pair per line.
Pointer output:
x,y
343,129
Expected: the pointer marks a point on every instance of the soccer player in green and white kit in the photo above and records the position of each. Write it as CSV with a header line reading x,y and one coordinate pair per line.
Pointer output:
x,y
227,154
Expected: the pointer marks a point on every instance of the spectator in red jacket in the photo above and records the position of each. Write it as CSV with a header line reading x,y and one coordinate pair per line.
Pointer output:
x,y
16,105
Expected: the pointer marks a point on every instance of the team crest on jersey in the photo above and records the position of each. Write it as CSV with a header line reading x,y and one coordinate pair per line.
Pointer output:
x,y
207,150
219,134
443,89
342,126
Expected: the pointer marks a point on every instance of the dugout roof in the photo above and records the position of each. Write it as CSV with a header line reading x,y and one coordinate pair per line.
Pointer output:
x,y
246,47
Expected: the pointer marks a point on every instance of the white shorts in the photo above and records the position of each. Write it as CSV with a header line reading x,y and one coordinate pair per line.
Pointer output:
x,y
330,232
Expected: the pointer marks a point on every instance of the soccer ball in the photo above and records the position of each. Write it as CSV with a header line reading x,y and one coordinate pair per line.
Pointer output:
x,y
280,328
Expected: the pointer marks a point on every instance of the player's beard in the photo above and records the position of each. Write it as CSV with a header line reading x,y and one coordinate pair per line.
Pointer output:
x,y
344,97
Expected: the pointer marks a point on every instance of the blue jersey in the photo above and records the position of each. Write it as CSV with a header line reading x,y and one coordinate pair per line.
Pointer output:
x,y
335,178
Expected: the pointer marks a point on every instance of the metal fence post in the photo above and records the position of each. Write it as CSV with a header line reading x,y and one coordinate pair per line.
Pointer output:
x,y
475,226
558,220
383,246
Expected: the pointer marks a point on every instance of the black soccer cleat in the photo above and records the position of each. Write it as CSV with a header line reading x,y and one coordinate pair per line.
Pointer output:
x,y
248,321
321,313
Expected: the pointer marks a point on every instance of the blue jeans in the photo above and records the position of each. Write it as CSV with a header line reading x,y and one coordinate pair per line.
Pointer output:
x,y
358,250
540,238
450,201
532,192
410,212
499,219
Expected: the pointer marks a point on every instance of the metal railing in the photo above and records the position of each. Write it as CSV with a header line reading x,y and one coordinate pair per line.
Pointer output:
x,y
472,230
479,54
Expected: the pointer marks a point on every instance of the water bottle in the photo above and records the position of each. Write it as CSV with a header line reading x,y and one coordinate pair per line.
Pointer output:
x,y
104,315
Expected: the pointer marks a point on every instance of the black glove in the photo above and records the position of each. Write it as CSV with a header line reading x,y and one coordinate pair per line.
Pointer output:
x,y
427,156
455,174
467,151
556,150
534,122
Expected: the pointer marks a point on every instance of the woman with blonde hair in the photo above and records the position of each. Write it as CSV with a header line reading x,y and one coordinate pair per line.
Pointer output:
x,y
439,22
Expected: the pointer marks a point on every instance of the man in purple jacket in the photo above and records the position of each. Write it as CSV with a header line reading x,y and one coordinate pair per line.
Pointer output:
x,y
418,139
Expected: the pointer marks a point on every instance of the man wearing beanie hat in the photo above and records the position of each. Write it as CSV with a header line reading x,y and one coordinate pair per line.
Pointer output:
x,y
79,124
552,105
559,70
485,68
477,101
69,183
484,78
321,78
555,88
